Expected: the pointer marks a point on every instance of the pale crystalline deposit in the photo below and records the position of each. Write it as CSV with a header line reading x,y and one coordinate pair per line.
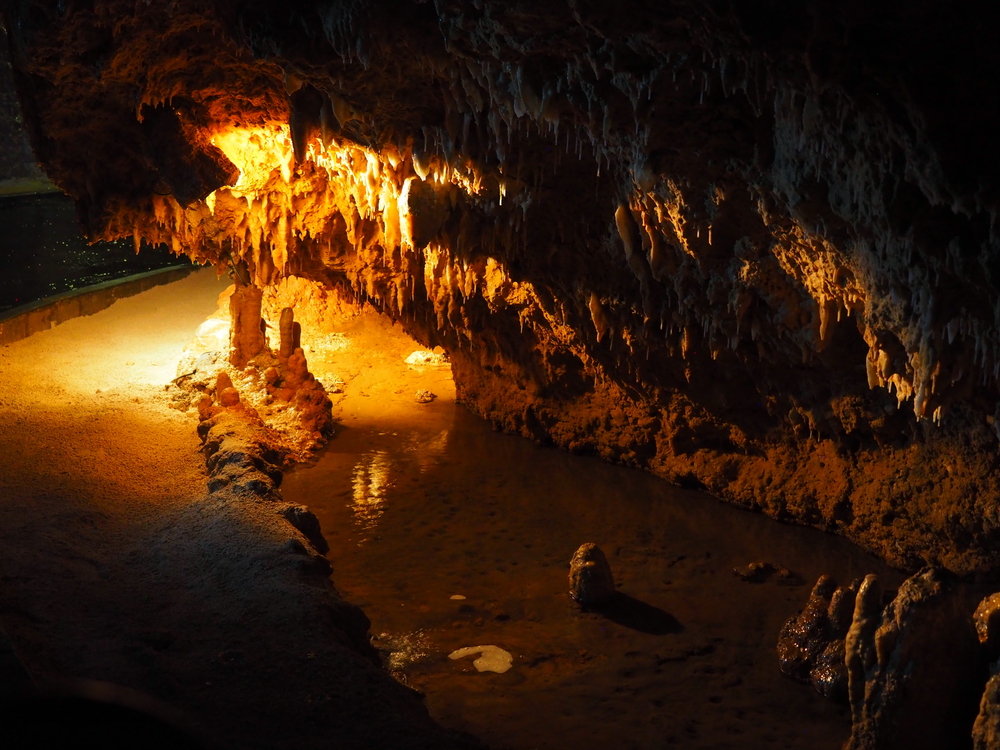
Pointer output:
x,y
491,659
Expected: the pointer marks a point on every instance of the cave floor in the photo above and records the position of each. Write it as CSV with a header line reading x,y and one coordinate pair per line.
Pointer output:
x,y
117,572
424,502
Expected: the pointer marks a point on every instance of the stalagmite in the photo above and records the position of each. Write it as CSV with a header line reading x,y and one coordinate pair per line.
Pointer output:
x,y
287,333
247,336
920,689
859,643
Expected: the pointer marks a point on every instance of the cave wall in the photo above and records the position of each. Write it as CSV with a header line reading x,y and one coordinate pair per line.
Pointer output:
x,y
747,246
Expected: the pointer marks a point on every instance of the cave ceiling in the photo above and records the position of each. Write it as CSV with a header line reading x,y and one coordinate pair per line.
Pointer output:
x,y
748,246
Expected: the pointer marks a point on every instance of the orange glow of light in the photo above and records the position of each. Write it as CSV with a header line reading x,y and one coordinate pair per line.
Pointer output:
x,y
256,152
374,179
345,206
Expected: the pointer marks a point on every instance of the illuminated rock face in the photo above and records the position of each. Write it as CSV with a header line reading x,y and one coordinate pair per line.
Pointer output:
x,y
750,250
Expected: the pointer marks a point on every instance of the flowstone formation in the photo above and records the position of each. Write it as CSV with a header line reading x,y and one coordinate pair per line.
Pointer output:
x,y
747,247
986,730
912,670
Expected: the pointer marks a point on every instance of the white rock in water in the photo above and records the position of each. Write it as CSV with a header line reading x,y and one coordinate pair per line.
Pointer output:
x,y
493,659
425,396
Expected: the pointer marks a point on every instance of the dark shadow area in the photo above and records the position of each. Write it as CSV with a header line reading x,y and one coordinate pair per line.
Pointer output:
x,y
43,253
98,718
637,615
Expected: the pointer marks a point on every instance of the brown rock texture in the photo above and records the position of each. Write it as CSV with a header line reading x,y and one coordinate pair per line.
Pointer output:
x,y
747,247
591,583
986,729
920,688
859,645
811,644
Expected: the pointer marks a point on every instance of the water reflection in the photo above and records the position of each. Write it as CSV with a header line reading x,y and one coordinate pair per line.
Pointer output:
x,y
426,450
371,482
372,478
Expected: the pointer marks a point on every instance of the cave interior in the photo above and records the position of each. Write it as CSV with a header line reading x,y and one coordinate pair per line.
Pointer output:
x,y
748,248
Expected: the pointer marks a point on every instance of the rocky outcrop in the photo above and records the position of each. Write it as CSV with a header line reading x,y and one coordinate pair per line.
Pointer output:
x,y
230,364
591,583
811,644
747,248
986,730
921,667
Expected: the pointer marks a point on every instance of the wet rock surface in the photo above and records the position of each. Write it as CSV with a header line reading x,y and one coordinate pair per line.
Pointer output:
x,y
987,620
986,729
922,667
811,644
591,583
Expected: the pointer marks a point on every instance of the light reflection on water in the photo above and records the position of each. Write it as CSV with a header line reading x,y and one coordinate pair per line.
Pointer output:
x,y
371,482
427,451
372,477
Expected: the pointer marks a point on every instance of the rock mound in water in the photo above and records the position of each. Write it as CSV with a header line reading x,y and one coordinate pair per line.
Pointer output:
x,y
591,584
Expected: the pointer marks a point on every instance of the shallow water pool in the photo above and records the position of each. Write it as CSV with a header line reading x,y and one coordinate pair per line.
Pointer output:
x,y
422,511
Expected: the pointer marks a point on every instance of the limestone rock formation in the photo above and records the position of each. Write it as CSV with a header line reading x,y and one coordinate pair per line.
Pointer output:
x,y
278,392
811,644
859,644
986,729
748,247
290,333
247,337
591,583
987,620
921,667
